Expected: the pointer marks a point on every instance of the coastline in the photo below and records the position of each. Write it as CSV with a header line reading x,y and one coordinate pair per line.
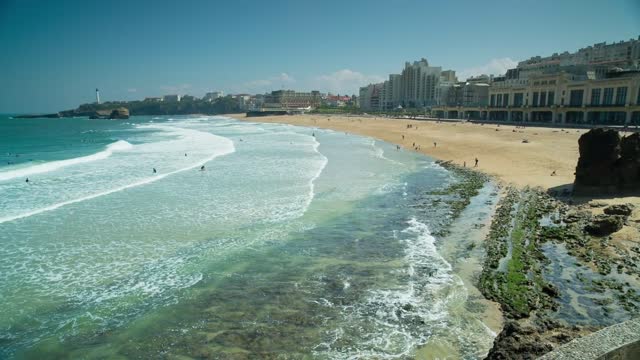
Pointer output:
x,y
534,226
500,149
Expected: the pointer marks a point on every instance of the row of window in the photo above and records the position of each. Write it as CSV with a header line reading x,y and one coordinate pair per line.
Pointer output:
x,y
599,97
607,96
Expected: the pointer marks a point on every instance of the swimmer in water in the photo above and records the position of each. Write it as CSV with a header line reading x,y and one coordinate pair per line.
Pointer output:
x,y
154,170
202,168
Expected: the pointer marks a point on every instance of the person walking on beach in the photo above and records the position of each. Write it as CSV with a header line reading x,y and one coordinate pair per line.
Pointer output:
x,y
435,144
476,165
464,164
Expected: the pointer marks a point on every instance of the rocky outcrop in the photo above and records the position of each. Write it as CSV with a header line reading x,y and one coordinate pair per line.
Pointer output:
x,y
603,225
119,113
619,209
607,163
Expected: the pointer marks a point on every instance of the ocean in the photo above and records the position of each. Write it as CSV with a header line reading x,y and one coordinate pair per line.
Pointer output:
x,y
207,237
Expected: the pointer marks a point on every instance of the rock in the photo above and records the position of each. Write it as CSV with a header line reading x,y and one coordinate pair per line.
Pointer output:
x,y
119,113
573,217
603,225
607,162
551,290
597,204
621,209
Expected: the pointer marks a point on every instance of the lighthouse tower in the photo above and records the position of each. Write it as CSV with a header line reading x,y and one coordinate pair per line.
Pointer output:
x,y
97,96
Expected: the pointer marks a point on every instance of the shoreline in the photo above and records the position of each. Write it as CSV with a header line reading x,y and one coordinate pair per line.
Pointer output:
x,y
501,150
523,227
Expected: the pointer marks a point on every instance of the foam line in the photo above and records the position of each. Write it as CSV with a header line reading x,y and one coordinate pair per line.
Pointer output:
x,y
226,148
119,145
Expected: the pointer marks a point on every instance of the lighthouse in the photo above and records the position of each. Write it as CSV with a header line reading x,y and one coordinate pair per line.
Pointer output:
x,y
97,96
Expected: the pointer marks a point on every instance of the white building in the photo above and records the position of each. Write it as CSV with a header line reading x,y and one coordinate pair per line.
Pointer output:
x,y
419,83
211,96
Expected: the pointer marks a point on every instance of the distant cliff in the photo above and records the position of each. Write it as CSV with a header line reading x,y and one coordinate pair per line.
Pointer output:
x,y
224,105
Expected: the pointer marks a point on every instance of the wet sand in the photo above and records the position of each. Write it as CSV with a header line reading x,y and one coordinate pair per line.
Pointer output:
x,y
500,149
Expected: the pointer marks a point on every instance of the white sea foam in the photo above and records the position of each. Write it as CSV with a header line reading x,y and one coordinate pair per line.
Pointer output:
x,y
403,316
119,145
379,153
223,146
312,193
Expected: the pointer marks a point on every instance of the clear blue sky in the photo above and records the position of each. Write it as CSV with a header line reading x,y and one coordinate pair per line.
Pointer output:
x,y
55,53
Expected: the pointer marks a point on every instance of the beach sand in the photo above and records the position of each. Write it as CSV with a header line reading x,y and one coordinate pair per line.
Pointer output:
x,y
500,149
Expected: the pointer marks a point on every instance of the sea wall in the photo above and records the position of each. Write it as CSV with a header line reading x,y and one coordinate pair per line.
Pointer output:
x,y
616,342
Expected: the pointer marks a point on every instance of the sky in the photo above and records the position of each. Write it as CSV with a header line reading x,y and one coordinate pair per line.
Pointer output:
x,y
55,53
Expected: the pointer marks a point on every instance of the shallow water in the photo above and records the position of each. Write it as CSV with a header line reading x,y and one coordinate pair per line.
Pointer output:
x,y
287,244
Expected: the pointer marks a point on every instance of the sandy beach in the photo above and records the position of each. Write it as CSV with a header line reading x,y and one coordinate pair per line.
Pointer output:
x,y
521,156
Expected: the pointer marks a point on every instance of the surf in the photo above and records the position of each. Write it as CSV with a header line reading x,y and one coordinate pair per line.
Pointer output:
x,y
223,146
120,145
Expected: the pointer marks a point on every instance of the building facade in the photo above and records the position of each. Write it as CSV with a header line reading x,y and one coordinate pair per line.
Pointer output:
x,y
289,99
418,84
599,84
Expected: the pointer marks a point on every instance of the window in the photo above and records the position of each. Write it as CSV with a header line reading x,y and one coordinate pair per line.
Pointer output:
x,y
493,100
505,100
607,98
543,98
621,95
638,100
551,98
517,99
575,97
534,103
595,97
499,100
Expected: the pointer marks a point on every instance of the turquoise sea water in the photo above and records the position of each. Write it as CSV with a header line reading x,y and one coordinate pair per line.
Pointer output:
x,y
293,242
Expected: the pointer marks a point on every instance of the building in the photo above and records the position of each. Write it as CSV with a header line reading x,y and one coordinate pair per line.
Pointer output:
x,y
336,100
171,98
188,98
418,84
370,97
613,99
289,99
244,101
391,93
153,99
599,84
211,96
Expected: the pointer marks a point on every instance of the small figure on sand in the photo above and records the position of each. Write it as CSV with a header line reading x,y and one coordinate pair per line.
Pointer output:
x,y
154,170
464,164
402,137
553,173
414,144
202,168
435,144
476,165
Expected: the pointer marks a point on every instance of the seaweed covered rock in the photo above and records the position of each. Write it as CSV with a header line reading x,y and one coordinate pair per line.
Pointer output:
x,y
607,163
603,225
619,209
